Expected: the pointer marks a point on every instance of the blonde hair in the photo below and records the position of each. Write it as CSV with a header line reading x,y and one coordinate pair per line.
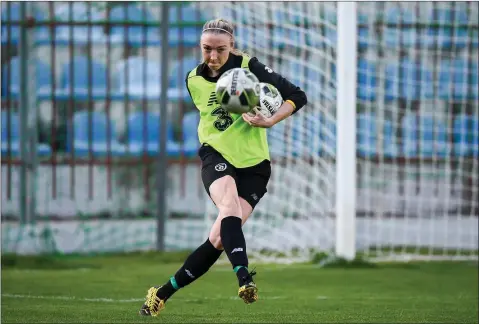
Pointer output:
x,y
222,26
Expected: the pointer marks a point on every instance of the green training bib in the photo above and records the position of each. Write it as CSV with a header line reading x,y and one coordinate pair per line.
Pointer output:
x,y
239,143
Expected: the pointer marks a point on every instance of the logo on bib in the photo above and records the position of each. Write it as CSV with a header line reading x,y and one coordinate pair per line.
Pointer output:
x,y
220,167
212,99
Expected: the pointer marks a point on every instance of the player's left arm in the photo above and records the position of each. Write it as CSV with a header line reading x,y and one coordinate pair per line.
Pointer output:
x,y
294,98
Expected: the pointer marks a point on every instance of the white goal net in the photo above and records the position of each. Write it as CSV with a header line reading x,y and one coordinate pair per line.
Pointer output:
x,y
416,111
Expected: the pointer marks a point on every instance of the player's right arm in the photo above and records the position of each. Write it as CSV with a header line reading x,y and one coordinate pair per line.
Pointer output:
x,y
294,98
290,92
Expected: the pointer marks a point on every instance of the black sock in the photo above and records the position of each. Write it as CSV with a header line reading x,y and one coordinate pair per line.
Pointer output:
x,y
234,244
196,265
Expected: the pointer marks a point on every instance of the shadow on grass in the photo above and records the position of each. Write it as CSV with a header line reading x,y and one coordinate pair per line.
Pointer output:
x,y
324,260
43,262
88,261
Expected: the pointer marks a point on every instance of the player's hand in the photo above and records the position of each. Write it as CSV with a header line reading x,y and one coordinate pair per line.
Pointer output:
x,y
259,120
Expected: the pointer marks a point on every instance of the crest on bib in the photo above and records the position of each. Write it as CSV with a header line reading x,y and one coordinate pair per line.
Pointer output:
x,y
220,167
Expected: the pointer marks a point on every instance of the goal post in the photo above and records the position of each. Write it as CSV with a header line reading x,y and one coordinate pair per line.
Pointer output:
x,y
346,131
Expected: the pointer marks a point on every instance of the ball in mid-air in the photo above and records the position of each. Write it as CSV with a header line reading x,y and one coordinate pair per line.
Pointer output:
x,y
237,91
269,100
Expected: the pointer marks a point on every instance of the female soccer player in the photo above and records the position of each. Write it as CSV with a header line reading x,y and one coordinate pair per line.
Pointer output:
x,y
235,161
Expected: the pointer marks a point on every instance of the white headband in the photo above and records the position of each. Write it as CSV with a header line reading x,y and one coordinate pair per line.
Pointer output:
x,y
218,29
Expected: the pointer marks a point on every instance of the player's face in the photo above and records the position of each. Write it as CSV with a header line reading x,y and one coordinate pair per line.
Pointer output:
x,y
216,49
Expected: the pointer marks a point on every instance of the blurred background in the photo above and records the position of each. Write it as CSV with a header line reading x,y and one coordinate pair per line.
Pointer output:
x,y
81,91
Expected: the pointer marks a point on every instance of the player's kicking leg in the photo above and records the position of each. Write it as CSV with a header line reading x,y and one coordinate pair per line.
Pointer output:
x,y
153,304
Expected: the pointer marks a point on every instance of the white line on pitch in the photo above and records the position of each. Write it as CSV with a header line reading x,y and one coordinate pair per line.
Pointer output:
x,y
97,300
131,300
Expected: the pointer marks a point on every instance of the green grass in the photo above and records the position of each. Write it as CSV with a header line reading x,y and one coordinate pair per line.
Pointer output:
x,y
109,289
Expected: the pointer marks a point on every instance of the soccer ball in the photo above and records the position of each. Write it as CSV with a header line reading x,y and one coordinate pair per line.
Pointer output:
x,y
237,91
269,100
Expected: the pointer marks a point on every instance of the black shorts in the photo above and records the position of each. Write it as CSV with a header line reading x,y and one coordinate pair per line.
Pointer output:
x,y
251,182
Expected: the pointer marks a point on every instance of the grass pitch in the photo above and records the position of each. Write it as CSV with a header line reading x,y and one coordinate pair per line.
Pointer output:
x,y
110,289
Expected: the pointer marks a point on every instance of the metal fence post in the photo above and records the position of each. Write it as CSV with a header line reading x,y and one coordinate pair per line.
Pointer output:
x,y
32,113
162,158
28,118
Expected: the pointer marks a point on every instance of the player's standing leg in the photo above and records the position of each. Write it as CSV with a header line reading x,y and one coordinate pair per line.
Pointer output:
x,y
250,185
247,291
225,195
234,191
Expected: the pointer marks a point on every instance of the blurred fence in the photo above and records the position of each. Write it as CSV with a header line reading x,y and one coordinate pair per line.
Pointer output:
x,y
96,116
